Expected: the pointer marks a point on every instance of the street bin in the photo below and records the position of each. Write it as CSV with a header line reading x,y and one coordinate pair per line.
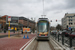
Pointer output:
x,y
4,30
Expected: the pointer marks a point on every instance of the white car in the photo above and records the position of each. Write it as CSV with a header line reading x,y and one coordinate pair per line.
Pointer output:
x,y
60,32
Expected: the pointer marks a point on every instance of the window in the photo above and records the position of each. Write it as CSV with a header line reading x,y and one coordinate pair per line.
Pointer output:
x,y
70,19
69,23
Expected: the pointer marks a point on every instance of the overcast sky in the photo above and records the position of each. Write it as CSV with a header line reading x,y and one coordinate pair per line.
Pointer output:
x,y
54,9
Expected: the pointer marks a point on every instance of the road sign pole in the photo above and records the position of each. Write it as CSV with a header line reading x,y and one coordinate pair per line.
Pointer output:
x,y
9,30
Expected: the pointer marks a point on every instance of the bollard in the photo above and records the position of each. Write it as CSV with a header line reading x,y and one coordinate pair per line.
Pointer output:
x,y
63,38
55,36
70,41
58,37
24,34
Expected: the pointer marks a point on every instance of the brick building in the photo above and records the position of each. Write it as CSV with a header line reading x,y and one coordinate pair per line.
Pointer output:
x,y
2,21
24,22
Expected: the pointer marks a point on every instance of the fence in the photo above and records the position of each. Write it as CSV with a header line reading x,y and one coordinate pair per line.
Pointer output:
x,y
65,40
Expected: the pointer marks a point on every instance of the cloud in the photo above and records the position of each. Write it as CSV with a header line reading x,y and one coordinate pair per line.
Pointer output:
x,y
53,9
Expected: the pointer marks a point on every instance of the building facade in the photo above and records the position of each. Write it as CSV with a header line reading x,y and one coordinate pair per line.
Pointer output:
x,y
69,21
2,21
26,22
23,22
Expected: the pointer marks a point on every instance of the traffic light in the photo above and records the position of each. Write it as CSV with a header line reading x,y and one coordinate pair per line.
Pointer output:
x,y
51,20
56,20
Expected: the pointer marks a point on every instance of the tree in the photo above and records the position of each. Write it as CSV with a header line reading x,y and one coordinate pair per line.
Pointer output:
x,y
59,27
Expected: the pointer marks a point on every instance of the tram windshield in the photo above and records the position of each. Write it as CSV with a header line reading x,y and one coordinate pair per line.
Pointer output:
x,y
42,27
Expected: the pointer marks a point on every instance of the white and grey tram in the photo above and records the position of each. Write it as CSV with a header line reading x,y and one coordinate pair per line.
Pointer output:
x,y
43,31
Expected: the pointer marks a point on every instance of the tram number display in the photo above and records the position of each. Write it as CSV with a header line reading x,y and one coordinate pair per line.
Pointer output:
x,y
43,21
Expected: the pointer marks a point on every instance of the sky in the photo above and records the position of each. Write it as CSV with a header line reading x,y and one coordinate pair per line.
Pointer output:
x,y
53,9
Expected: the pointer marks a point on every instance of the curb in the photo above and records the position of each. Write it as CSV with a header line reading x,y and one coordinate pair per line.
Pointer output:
x,y
62,46
27,44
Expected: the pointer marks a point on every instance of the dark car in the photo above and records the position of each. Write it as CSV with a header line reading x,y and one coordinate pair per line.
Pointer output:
x,y
66,32
72,35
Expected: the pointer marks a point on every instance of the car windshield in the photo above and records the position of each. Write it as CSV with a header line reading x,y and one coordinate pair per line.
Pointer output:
x,y
54,31
73,33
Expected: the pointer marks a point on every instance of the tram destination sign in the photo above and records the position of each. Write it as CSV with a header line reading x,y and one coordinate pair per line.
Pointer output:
x,y
14,20
43,21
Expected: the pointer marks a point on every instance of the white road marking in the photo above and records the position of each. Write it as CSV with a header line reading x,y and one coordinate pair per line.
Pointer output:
x,y
26,43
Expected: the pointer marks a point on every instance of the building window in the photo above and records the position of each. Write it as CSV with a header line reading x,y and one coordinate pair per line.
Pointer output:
x,y
71,23
70,19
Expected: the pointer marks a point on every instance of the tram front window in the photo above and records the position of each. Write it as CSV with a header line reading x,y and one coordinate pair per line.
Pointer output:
x,y
42,27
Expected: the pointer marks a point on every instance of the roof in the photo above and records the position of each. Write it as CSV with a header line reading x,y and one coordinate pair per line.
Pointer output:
x,y
23,18
43,19
70,14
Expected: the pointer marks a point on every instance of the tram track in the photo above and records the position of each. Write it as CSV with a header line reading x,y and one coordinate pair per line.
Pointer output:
x,y
43,45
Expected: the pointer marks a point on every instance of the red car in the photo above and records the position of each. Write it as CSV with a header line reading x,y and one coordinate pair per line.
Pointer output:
x,y
72,35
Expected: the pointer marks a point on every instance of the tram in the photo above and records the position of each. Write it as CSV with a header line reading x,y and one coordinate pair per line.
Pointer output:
x,y
43,31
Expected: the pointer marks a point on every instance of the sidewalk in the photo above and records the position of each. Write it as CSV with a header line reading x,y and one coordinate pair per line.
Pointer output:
x,y
3,34
14,43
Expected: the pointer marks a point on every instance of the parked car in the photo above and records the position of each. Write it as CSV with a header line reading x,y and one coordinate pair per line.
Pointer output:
x,y
66,32
54,32
59,32
72,35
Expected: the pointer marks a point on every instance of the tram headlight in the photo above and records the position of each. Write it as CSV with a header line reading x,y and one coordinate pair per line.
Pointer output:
x,y
45,35
39,35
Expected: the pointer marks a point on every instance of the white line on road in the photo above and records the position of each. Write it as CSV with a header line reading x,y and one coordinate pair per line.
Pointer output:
x,y
26,43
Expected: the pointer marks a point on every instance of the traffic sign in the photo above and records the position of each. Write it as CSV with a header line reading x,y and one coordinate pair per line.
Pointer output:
x,y
9,18
13,20
8,27
69,28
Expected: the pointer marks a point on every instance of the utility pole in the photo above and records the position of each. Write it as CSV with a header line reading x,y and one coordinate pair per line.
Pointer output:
x,y
43,16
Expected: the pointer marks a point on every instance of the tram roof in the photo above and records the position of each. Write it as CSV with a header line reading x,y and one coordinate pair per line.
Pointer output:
x,y
43,19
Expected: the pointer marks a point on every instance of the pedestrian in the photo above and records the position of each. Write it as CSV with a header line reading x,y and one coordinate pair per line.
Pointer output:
x,y
4,30
14,30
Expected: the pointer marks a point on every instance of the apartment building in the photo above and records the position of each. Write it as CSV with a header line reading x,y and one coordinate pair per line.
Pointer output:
x,y
69,21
